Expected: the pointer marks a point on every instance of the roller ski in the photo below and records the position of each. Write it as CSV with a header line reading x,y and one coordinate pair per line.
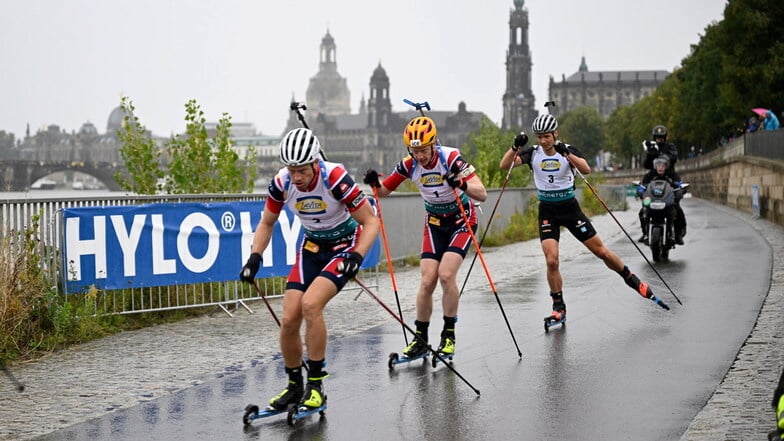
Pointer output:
x,y
557,317
416,350
314,400
446,350
641,287
281,403
252,412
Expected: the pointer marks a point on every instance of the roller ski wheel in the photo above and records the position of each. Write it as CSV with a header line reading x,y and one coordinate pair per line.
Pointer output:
x,y
298,412
252,412
551,321
395,359
447,358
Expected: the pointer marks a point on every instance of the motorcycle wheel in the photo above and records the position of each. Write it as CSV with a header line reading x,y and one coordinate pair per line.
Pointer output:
x,y
656,241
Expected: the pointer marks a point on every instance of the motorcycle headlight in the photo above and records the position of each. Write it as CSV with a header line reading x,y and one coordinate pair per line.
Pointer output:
x,y
658,205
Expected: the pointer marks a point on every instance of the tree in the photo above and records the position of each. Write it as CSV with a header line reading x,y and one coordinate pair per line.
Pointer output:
x,y
490,143
139,154
619,140
192,163
584,128
7,142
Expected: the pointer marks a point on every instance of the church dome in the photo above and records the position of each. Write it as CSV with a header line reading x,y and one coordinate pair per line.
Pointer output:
x,y
379,74
88,128
116,119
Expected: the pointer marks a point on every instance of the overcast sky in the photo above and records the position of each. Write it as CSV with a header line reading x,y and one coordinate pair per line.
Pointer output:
x,y
68,62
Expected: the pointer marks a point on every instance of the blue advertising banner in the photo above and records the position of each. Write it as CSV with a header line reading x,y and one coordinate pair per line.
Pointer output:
x,y
119,247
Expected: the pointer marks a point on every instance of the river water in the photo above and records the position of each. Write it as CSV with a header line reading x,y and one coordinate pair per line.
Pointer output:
x,y
58,193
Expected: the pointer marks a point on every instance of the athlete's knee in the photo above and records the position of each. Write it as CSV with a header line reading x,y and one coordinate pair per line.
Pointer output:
x,y
428,284
552,263
311,308
289,326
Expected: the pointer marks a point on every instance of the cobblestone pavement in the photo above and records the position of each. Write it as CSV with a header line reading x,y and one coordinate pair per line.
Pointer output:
x,y
120,371
740,407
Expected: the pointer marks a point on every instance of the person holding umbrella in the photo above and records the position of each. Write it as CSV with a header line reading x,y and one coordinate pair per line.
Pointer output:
x,y
769,121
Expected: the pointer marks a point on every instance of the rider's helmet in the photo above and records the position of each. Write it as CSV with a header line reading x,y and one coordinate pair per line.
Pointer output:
x,y
659,132
419,132
544,124
299,147
661,160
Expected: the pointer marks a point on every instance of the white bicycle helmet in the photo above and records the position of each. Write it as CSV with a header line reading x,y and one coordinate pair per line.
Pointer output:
x,y
544,124
299,147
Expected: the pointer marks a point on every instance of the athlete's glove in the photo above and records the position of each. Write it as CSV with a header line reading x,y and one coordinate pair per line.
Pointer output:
x,y
371,178
520,141
350,264
248,273
455,181
561,148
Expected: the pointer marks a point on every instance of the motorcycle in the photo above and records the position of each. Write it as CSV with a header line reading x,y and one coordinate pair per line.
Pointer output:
x,y
658,201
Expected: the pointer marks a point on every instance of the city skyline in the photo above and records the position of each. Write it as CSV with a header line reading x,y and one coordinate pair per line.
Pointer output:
x,y
68,64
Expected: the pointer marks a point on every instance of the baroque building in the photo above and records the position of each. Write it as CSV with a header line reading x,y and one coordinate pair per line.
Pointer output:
x,y
371,137
605,91
518,99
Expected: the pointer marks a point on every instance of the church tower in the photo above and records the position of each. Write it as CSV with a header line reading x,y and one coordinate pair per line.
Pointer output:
x,y
379,106
518,99
327,92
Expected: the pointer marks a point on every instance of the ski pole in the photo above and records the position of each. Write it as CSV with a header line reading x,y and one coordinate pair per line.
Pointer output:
x,y
596,193
272,312
408,328
19,386
418,106
484,265
389,258
487,228
296,107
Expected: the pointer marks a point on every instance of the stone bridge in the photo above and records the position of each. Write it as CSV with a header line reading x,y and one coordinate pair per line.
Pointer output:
x,y
19,175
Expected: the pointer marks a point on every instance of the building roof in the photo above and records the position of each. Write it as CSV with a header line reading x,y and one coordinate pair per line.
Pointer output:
x,y
617,75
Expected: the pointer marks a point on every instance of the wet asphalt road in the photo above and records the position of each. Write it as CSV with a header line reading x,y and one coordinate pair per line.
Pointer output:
x,y
621,369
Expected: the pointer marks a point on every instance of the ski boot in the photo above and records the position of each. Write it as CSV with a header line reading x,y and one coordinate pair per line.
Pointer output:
x,y
446,349
558,316
641,287
313,400
292,394
415,350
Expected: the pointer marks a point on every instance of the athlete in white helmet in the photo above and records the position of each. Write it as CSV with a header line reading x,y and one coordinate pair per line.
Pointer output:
x,y
551,162
340,227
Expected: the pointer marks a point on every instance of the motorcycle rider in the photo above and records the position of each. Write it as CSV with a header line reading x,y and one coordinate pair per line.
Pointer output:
x,y
660,168
656,148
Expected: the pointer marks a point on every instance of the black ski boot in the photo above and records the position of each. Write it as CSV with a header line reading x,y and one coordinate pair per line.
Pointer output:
x,y
292,394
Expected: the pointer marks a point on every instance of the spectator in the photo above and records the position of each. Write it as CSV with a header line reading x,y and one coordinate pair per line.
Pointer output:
x,y
770,121
752,125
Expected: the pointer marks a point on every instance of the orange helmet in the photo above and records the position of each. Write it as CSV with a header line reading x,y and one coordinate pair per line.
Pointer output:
x,y
419,132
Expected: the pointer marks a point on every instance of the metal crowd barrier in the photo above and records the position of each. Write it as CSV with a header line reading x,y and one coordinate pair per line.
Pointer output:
x,y
17,215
